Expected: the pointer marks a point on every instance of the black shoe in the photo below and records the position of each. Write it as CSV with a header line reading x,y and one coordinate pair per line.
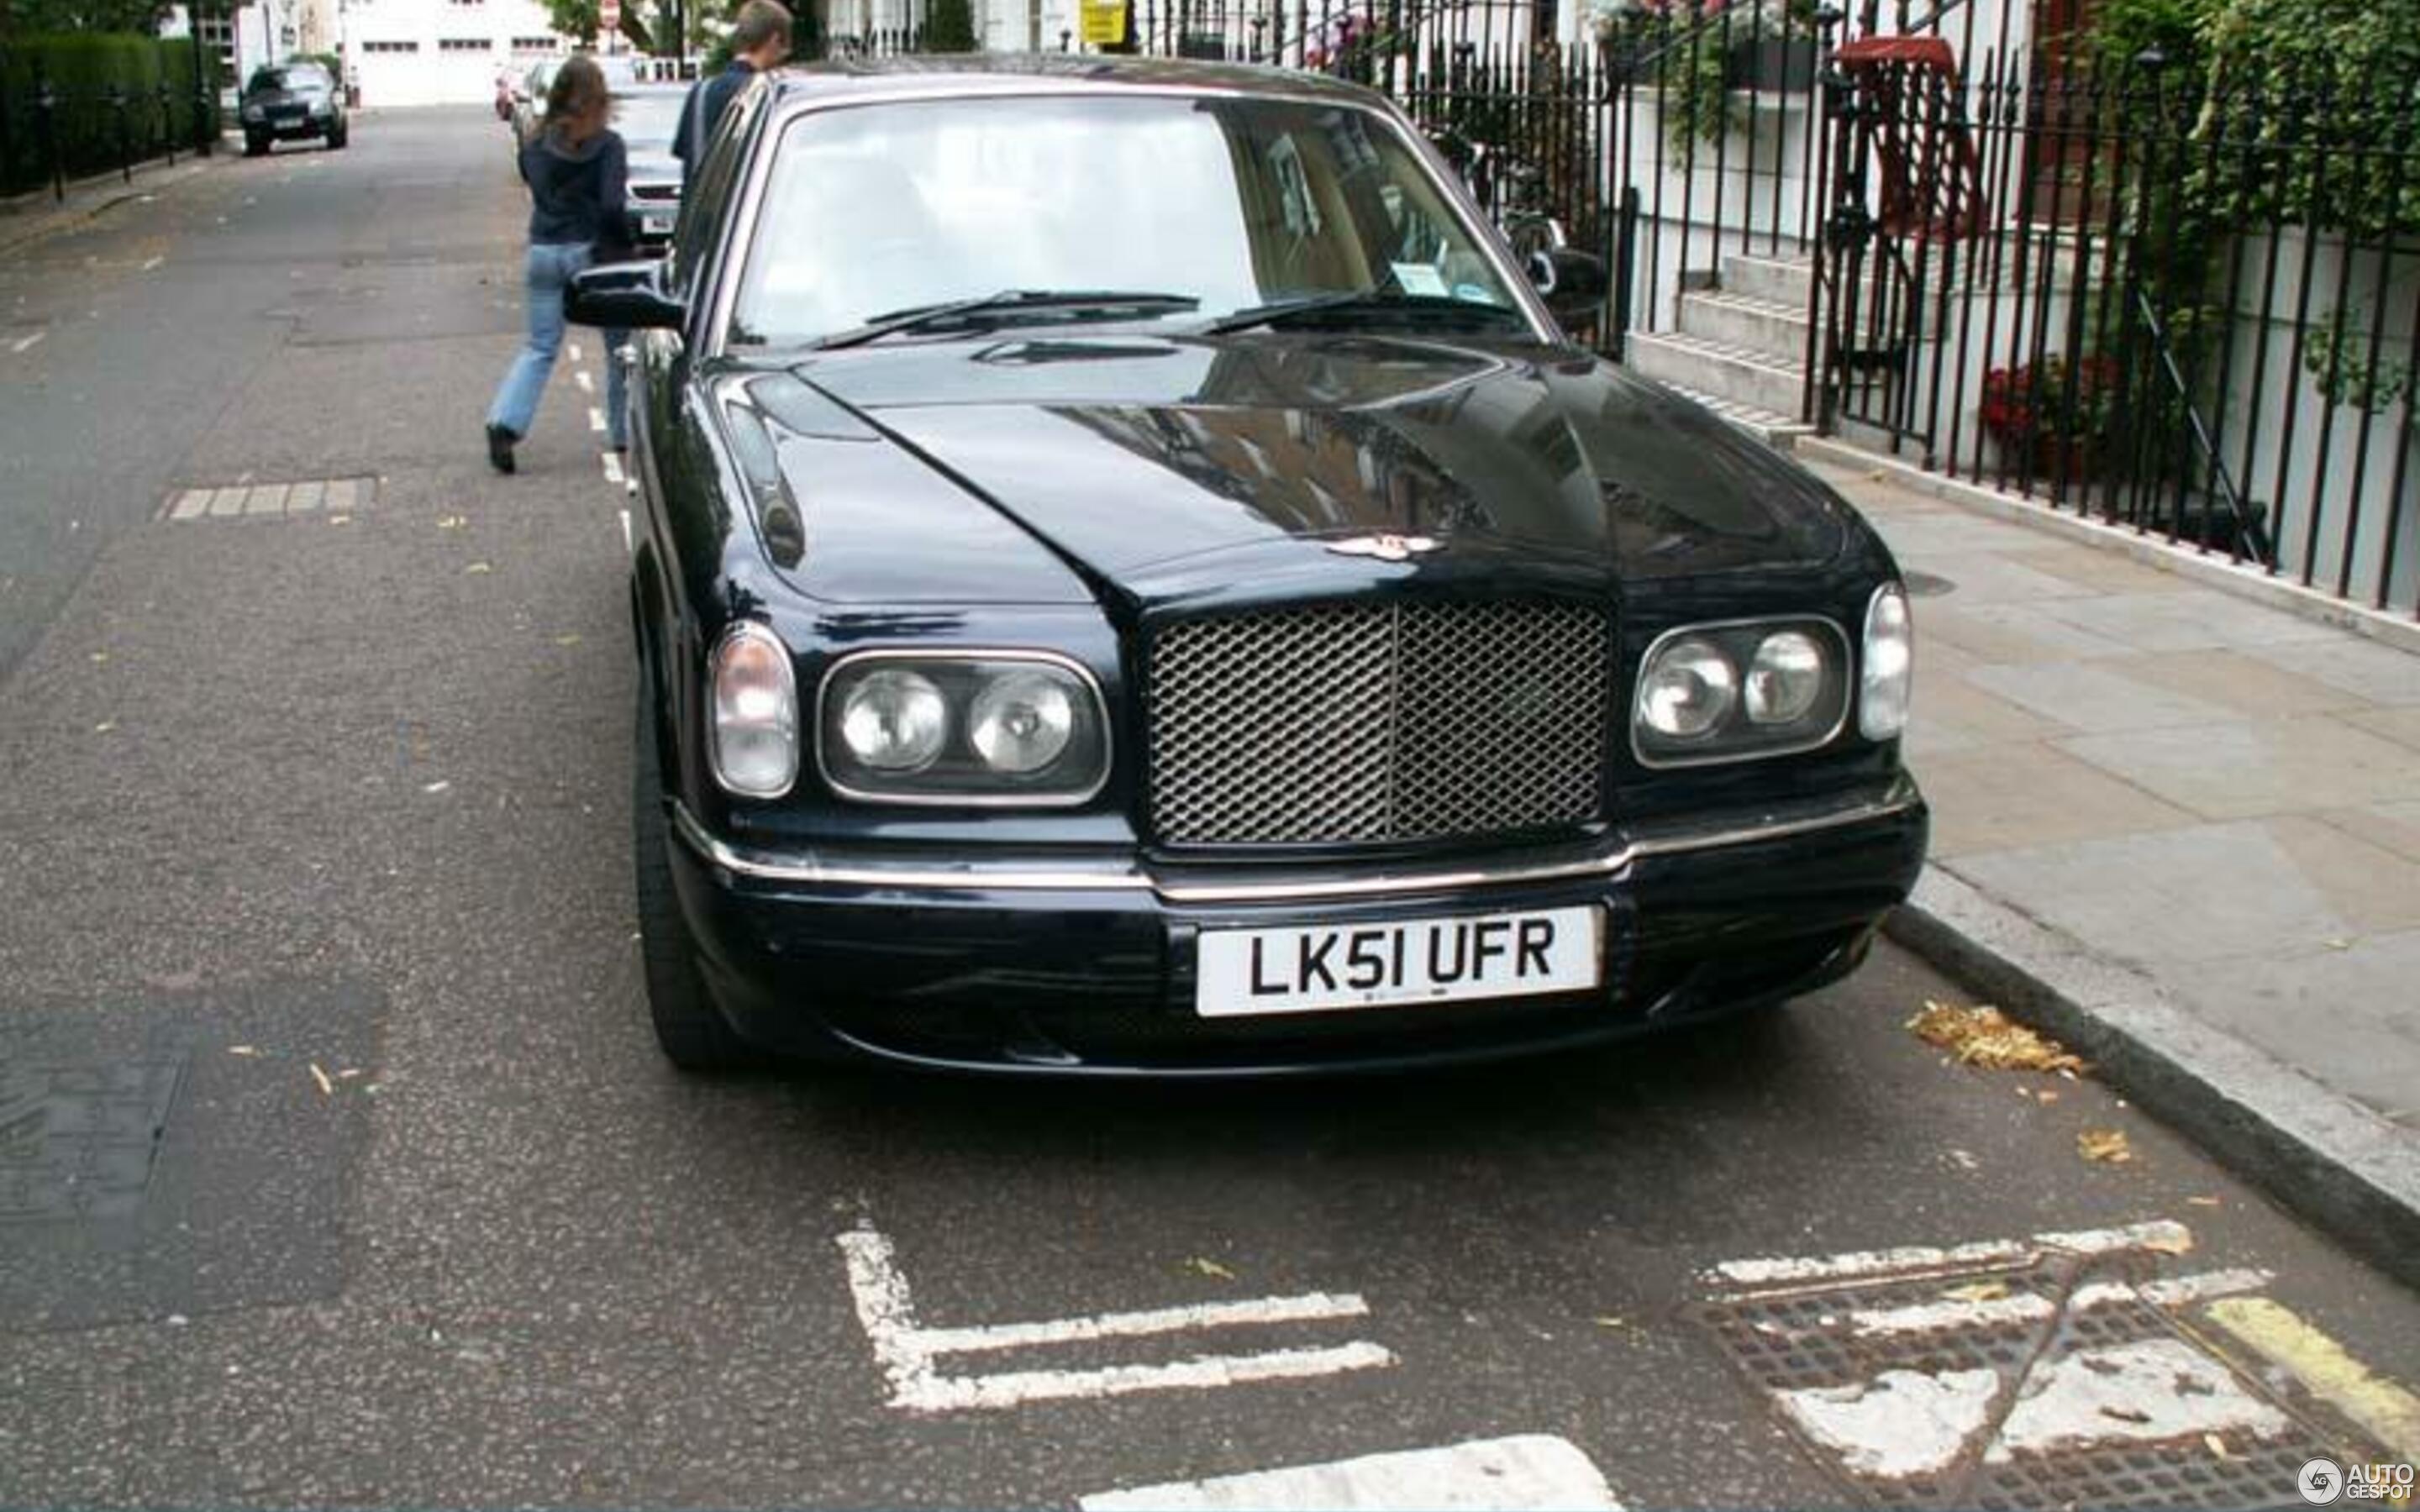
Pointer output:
x,y
500,448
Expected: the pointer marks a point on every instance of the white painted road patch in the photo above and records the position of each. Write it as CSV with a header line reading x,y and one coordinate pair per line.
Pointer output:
x,y
26,343
909,1352
1513,1474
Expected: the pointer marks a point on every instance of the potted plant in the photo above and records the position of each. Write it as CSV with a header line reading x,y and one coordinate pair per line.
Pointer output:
x,y
1773,47
2056,420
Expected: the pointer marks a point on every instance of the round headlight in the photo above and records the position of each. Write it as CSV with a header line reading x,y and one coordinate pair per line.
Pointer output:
x,y
1785,679
1689,690
894,721
1021,722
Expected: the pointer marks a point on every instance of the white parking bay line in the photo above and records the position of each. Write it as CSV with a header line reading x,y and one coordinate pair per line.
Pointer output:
x,y
587,384
613,466
26,344
2028,1307
2161,1235
595,419
909,1352
1535,1470
574,349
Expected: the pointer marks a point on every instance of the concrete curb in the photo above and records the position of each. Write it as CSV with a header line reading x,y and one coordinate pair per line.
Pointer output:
x,y
2314,1150
90,197
2213,572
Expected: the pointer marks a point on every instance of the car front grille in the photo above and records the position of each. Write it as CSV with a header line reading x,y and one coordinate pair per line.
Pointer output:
x,y
666,194
1372,723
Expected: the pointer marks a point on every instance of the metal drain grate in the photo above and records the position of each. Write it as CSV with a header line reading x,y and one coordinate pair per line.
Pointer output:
x,y
80,1141
2025,1367
253,500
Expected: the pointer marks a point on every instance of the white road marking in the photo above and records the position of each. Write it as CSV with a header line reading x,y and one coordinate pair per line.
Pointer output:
x,y
2159,1235
26,344
1902,1423
1135,1325
2129,1393
153,263
595,419
2028,1308
612,467
191,503
907,1352
626,530
587,384
574,349
1532,1470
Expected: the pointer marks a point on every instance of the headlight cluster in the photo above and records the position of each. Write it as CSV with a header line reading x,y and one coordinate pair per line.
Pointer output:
x,y
253,113
1734,691
1002,727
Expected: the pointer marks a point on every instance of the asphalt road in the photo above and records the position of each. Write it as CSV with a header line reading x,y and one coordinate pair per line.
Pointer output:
x,y
336,1164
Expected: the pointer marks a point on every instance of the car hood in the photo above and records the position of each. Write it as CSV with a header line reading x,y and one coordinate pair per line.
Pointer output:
x,y
1149,462
649,166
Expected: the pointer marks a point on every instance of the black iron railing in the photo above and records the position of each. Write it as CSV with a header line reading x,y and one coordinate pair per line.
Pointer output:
x,y
53,131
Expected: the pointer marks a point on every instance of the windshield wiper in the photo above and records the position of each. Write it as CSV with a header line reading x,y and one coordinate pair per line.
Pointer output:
x,y
1093,303
1359,301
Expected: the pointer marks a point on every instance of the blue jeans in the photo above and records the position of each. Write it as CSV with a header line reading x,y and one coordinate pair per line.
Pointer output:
x,y
547,274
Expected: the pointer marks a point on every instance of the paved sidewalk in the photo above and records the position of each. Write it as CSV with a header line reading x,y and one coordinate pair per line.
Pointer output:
x,y
26,217
2220,796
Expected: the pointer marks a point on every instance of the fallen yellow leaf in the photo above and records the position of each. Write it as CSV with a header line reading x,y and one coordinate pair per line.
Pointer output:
x,y
1987,1036
1210,1268
1610,1323
326,1088
2203,1202
2107,1146
2215,1445
478,567
1979,1292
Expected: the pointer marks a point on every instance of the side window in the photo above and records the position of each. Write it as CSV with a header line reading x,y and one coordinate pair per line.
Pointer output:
x,y
706,201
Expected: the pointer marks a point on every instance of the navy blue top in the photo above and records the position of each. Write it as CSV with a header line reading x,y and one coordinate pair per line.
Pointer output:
x,y
576,193
699,118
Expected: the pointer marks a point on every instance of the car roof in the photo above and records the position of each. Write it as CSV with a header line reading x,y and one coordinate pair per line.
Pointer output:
x,y
978,73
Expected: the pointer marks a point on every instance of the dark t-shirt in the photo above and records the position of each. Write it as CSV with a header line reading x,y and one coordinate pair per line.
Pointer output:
x,y
576,193
699,118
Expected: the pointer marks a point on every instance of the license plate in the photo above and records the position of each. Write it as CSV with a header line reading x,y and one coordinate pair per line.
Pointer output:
x,y
656,225
1309,969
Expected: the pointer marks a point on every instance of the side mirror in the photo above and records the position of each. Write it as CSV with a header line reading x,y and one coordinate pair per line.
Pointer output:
x,y
623,297
1573,283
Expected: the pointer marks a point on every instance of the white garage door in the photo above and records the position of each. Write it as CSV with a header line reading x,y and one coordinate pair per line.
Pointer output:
x,y
427,74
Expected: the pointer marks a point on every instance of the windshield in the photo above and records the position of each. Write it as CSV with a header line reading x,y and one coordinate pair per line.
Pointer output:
x,y
1239,204
297,80
647,121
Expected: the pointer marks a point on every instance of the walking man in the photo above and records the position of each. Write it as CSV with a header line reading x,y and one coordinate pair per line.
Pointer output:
x,y
760,40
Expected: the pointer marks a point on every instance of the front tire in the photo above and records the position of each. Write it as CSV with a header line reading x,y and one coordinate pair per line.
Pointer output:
x,y
256,147
337,139
689,1029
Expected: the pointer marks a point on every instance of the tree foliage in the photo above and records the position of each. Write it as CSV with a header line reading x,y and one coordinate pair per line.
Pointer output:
x,y
950,26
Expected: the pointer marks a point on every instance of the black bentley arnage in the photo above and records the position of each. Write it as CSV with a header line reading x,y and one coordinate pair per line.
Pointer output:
x,y
1132,580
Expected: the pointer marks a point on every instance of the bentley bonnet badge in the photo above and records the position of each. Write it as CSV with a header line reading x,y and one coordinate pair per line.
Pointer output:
x,y
1385,547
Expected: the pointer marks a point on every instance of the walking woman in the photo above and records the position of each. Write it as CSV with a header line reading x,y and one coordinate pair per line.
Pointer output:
x,y
576,169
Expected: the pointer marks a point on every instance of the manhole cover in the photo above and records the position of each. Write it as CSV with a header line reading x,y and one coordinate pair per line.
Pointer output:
x,y
2049,1385
1926,584
80,1141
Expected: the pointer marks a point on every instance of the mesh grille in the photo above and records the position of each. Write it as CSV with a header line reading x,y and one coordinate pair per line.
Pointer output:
x,y
1374,724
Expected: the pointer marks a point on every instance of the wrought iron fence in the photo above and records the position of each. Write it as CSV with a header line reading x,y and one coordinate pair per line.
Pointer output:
x,y
54,129
2186,307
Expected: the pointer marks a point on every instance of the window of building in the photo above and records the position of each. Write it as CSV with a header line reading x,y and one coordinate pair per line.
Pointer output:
x,y
534,44
463,44
390,47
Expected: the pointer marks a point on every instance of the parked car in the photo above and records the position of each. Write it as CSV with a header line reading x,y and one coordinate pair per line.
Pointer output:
x,y
646,115
290,101
529,108
1132,580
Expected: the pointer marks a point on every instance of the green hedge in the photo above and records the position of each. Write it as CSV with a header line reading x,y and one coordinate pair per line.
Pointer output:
x,y
80,70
